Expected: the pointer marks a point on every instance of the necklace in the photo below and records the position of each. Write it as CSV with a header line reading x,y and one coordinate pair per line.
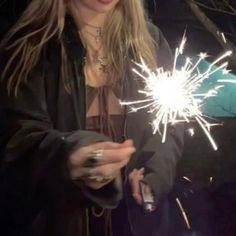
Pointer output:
x,y
101,61
97,58
93,26
97,37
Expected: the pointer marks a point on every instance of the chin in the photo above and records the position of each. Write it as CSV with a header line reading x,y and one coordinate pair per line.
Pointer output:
x,y
103,6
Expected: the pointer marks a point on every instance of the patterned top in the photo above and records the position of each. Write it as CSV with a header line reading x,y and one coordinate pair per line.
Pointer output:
x,y
104,112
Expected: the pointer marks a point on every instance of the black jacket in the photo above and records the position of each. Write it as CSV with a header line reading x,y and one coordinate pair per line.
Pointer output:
x,y
44,123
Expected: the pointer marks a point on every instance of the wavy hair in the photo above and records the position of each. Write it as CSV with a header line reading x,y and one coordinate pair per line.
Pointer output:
x,y
126,33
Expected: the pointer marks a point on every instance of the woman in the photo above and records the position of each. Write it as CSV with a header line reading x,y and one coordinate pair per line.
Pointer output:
x,y
64,136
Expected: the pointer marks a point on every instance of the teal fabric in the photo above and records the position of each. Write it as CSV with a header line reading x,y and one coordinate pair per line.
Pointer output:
x,y
224,104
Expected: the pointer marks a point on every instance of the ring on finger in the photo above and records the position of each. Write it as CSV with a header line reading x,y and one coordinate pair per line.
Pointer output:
x,y
99,178
94,156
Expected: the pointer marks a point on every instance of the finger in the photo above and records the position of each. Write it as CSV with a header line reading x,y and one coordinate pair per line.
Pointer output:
x,y
140,171
106,171
135,183
84,151
137,198
135,178
128,143
101,179
109,156
95,184
121,154
105,145
137,174
80,156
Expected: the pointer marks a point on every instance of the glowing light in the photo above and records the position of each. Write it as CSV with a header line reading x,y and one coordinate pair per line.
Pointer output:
x,y
173,97
227,81
191,132
186,178
223,37
211,179
183,213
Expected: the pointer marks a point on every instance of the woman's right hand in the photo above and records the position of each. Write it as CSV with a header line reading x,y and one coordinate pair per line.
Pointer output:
x,y
103,168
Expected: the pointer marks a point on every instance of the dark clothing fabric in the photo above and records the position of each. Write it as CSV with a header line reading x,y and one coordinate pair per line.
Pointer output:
x,y
40,128
105,115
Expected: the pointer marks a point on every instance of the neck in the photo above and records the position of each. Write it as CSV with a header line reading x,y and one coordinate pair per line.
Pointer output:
x,y
85,17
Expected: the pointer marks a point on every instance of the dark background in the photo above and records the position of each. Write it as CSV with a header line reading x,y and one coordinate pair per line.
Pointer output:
x,y
209,205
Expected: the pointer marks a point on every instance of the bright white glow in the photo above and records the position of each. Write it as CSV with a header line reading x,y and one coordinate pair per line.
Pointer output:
x,y
227,81
191,132
172,96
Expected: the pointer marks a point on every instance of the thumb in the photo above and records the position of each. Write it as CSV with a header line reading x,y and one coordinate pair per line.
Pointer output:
x,y
128,143
135,178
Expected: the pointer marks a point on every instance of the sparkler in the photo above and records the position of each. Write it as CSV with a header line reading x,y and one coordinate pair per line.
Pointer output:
x,y
173,97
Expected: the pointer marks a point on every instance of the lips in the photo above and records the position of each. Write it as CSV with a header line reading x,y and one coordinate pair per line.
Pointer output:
x,y
105,1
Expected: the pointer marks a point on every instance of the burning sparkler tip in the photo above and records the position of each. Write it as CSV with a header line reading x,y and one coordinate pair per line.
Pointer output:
x,y
172,95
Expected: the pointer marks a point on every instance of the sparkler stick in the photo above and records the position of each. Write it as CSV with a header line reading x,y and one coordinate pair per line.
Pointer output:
x,y
173,97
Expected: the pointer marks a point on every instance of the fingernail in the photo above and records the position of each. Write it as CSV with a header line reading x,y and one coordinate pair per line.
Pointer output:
x,y
142,169
132,149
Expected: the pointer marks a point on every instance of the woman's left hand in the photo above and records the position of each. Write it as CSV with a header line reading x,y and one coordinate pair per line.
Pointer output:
x,y
134,180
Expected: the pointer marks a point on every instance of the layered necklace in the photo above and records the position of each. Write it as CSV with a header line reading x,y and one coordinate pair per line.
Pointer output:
x,y
97,56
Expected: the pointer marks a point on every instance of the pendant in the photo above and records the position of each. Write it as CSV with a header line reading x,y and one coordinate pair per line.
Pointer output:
x,y
98,36
103,64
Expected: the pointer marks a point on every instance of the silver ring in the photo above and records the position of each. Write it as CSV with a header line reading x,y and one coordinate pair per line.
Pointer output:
x,y
99,178
95,156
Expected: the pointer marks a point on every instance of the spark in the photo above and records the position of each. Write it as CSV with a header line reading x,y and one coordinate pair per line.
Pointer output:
x,y
233,81
173,97
211,179
183,213
223,37
191,132
191,191
186,178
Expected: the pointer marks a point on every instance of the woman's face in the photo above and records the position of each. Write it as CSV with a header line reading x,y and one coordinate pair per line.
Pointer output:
x,y
99,6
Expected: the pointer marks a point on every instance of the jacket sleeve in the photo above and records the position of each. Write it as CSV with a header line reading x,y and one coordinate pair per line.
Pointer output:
x,y
34,154
160,159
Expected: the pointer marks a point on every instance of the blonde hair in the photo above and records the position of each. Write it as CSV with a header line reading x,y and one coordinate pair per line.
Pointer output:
x,y
126,34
